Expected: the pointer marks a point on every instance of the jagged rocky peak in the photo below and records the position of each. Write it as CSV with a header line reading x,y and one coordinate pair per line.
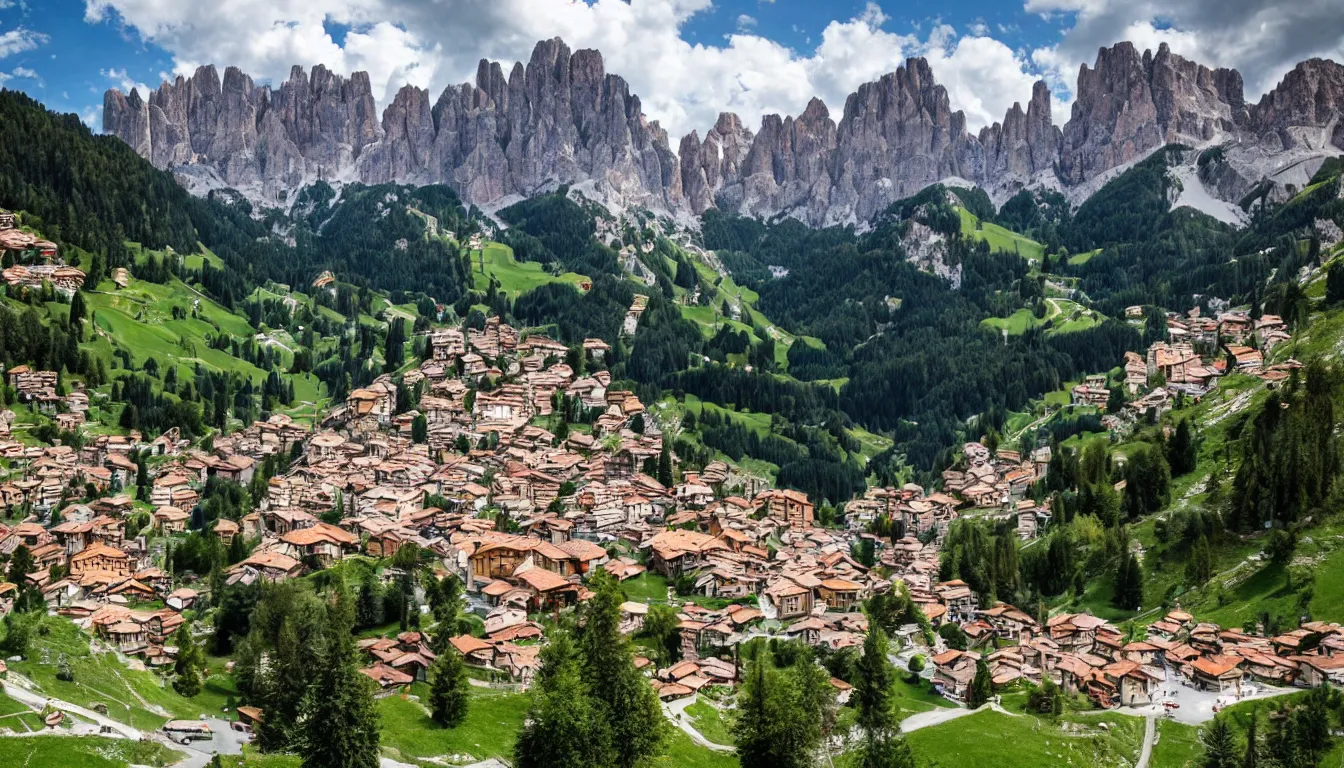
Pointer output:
x,y
561,118
1131,104
1025,143
898,135
707,165
1303,108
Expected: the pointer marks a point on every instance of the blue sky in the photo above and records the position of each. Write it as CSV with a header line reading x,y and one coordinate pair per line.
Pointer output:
x,y
687,59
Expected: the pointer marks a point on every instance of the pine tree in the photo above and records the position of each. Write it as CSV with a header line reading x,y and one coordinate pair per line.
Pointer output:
x,y
882,746
78,311
873,679
369,603
1182,452
1220,750
627,705
449,690
886,750
340,721
21,564
759,719
283,684
562,728
1128,583
189,665
981,687
1199,567
1253,745
665,466
783,713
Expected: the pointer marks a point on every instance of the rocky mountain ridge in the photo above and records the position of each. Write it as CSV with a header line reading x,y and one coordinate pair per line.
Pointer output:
x,y
562,119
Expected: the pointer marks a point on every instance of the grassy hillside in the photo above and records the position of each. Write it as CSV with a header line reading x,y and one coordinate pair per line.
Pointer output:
x,y
1000,239
1006,741
515,277
1061,316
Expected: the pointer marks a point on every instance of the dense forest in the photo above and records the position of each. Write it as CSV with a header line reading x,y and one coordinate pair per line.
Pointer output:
x,y
918,361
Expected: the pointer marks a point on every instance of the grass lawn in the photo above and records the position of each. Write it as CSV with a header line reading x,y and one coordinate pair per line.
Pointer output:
x,y
681,752
1078,259
710,722
83,751
989,738
515,277
491,727
137,697
999,238
17,717
909,698
1063,315
1177,746
1015,324
1263,587
251,758
648,587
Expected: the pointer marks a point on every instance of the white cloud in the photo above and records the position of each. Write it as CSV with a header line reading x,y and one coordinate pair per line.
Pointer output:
x,y
21,73
745,22
978,28
1262,39
92,116
20,39
125,82
682,84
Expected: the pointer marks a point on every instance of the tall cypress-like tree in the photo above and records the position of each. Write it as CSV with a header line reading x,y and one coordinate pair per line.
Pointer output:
x,y
1220,749
627,705
981,686
1251,759
562,727
1128,583
78,311
340,721
283,684
882,746
772,729
886,750
1182,451
786,711
665,467
872,683
449,690
190,663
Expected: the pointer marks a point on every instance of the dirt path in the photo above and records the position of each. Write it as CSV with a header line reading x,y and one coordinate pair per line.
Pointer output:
x,y
1149,737
38,702
676,712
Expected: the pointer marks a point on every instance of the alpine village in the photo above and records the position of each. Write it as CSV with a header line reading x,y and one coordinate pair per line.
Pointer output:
x,y
369,465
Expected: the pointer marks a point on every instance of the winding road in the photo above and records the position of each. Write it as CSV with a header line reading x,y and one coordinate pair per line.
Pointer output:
x,y
37,702
1149,738
676,712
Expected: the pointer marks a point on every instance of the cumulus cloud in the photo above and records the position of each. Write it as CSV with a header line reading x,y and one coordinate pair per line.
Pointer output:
x,y
19,40
92,116
125,82
1263,39
28,74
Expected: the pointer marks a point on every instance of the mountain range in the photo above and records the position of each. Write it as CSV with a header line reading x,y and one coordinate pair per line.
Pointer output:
x,y
562,119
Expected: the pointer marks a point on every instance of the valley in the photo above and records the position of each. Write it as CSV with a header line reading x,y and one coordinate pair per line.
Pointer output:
x,y
542,445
